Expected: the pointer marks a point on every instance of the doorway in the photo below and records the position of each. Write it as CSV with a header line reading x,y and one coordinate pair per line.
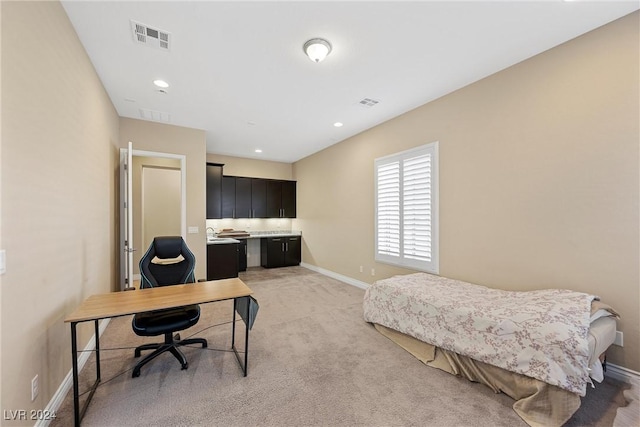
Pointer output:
x,y
154,202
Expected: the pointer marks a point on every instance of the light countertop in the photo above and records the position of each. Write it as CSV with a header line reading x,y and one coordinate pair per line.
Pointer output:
x,y
252,235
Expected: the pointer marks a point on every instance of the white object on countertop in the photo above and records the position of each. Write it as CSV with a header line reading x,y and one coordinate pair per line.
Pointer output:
x,y
221,240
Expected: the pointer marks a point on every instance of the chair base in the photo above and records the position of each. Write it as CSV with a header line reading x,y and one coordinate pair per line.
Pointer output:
x,y
170,344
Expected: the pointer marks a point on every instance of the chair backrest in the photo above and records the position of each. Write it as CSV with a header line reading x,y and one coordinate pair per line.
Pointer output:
x,y
154,271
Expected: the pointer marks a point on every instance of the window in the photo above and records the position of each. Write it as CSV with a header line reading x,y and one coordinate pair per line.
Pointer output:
x,y
406,186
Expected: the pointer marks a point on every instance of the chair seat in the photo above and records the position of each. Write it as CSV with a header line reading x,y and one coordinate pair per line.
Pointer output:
x,y
160,322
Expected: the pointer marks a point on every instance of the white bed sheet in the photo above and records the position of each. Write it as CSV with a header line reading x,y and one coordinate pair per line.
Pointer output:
x,y
602,333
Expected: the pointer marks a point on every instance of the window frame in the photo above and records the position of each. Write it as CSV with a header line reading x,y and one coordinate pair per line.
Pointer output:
x,y
432,265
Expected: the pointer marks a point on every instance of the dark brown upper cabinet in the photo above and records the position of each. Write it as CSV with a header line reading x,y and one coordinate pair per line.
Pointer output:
x,y
229,197
281,199
214,191
244,197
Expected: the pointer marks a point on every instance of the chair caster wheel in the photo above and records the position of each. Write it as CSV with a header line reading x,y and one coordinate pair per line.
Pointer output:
x,y
136,373
185,366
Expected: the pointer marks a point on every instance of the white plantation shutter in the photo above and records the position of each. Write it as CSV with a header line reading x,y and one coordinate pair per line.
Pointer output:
x,y
417,208
406,208
388,204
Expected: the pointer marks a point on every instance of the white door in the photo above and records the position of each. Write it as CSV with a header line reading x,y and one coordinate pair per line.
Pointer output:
x,y
126,218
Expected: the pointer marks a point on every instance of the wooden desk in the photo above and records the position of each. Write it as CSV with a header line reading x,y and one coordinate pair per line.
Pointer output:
x,y
125,303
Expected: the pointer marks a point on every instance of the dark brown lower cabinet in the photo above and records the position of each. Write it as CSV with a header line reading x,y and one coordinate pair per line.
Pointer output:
x,y
242,255
222,261
280,251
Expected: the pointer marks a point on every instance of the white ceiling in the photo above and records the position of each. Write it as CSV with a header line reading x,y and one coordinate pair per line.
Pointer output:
x,y
237,69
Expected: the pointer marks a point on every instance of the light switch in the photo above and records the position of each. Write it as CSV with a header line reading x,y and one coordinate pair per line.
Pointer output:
x,y
3,261
194,230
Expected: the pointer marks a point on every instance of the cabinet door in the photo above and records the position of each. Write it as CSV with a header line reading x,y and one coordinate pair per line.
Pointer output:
x,y
242,255
274,199
293,250
288,200
258,198
272,252
228,197
214,191
243,197
222,261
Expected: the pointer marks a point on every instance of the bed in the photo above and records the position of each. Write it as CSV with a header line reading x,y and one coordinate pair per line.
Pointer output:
x,y
542,348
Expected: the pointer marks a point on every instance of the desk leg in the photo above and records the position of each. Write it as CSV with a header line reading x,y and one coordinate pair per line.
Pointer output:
x,y
97,335
78,413
233,325
74,363
246,346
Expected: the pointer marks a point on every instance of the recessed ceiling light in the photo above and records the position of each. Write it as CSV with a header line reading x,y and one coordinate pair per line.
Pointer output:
x,y
258,150
161,83
337,124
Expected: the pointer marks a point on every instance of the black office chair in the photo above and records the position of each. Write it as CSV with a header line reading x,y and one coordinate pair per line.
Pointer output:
x,y
168,261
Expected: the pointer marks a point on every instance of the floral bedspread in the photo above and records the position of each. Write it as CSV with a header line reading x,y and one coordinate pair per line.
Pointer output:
x,y
541,334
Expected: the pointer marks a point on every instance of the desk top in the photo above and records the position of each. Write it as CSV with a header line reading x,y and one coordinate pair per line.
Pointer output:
x,y
122,303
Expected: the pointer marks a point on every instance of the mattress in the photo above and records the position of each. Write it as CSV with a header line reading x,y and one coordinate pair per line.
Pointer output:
x,y
602,333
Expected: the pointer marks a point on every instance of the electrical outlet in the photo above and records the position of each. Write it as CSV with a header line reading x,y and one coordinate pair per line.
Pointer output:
x,y
361,269
34,388
373,271
619,339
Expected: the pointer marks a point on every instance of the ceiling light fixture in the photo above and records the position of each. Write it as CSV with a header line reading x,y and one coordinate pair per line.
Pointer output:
x,y
258,150
161,83
317,49
337,124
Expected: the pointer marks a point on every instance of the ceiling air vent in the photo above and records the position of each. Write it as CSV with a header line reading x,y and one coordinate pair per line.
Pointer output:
x,y
368,102
150,36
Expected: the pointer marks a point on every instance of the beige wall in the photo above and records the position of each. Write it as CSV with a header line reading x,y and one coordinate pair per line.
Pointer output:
x,y
58,177
539,179
164,138
1,244
253,168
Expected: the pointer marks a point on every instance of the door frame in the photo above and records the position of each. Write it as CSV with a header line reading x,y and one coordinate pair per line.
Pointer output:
x,y
126,208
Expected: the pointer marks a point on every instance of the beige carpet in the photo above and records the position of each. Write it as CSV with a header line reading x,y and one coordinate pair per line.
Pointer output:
x,y
313,361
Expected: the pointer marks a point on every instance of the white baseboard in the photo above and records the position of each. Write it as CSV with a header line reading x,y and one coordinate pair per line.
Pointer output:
x,y
58,397
345,279
623,374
